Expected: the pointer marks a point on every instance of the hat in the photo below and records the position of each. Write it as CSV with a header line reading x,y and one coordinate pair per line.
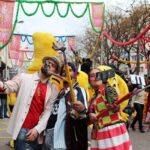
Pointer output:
x,y
56,59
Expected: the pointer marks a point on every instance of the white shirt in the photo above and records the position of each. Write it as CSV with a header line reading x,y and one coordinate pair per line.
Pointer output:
x,y
25,85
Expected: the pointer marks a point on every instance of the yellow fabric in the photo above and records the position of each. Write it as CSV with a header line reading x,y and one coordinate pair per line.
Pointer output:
x,y
11,99
121,87
42,47
118,83
12,143
145,104
57,81
82,79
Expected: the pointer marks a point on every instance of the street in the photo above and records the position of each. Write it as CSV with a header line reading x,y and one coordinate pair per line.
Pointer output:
x,y
140,141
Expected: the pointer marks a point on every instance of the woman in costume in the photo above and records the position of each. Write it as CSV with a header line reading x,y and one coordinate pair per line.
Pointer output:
x,y
109,132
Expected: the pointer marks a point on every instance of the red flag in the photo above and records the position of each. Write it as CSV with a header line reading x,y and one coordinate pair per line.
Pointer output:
x,y
14,46
21,59
6,17
97,15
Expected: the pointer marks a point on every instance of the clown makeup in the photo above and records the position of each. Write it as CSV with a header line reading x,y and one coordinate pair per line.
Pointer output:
x,y
51,63
48,67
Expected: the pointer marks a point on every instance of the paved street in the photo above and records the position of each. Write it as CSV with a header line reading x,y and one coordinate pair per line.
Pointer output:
x,y
141,141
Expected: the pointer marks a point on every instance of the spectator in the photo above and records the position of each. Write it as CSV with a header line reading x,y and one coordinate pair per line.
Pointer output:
x,y
3,110
138,103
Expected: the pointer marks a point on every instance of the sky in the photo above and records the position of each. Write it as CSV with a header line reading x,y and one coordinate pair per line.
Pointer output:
x,y
60,26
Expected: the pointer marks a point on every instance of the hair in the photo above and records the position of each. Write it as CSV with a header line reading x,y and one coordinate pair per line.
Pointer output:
x,y
90,72
69,64
45,58
93,69
86,65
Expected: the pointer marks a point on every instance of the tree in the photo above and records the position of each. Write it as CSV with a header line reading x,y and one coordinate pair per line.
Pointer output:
x,y
121,25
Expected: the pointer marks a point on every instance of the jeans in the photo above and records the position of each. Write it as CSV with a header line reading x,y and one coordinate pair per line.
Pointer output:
x,y
49,141
22,144
3,111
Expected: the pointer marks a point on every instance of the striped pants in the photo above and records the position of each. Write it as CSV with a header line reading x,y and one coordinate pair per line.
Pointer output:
x,y
114,137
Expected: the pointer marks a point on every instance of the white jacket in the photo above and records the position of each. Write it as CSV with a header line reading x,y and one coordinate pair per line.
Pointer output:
x,y
25,85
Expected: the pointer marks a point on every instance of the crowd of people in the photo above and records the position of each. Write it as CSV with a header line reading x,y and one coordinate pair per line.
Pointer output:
x,y
44,118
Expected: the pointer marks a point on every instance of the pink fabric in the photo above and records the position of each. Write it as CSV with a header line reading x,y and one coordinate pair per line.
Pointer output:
x,y
6,16
114,137
97,15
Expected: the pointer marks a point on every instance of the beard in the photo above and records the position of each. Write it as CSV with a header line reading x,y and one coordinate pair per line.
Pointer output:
x,y
46,70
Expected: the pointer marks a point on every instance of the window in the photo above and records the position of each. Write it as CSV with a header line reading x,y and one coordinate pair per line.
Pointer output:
x,y
134,57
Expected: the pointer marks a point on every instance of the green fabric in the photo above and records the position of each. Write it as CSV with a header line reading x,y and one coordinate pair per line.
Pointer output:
x,y
55,4
106,120
101,106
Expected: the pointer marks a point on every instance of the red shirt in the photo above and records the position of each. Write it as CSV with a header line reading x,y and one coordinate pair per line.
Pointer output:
x,y
36,107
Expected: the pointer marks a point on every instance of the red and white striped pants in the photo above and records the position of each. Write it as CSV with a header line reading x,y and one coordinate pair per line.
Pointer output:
x,y
114,137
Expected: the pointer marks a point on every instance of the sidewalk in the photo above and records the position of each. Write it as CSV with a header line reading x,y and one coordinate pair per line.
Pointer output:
x,y
4,137
140,141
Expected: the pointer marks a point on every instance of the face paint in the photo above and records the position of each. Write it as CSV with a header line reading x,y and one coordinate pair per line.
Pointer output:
x,y
46,70
49,67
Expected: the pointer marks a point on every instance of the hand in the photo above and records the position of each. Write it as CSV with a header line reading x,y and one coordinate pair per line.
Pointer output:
x,y
78,106
92,117
114,107
32,135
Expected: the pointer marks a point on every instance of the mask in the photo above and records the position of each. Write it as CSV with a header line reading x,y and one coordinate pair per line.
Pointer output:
x,y
46,70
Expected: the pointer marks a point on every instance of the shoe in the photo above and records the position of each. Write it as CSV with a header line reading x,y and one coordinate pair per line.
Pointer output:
x,y
133,128
142,131
6,117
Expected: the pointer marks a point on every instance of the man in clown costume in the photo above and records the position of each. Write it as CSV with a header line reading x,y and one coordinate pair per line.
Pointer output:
x,y
35,96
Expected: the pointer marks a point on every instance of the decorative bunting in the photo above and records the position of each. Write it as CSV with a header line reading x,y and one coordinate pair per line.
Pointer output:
x,y
97,15
6,15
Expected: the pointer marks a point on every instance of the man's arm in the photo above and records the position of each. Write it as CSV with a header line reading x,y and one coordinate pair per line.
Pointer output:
x,y
10,85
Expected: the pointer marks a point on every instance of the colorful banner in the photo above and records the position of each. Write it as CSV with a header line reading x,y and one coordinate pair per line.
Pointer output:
x,y
71,42
14,46
6,17
97,15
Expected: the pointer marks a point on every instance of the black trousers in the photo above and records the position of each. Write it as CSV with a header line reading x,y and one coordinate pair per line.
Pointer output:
x,y
76,134
139,115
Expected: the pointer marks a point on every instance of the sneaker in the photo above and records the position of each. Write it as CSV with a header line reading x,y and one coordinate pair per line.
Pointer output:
x,y
133,127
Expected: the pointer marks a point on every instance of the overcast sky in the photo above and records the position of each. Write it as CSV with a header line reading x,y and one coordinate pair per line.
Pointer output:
x,y
60,26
